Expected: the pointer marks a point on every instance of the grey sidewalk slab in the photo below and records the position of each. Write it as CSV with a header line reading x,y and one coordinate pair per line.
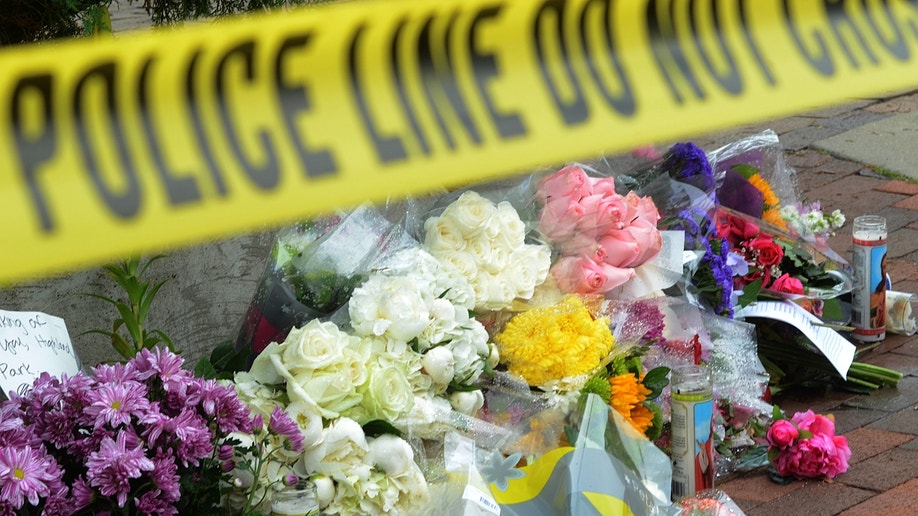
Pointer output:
x,y
891,143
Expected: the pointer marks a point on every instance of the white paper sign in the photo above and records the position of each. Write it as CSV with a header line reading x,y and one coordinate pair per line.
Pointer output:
x,y
32,343
836,348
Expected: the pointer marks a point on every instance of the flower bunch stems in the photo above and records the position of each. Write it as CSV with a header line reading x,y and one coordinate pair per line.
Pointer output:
x,y
859,374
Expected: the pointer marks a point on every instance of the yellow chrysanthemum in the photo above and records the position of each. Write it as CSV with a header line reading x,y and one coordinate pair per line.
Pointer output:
x,y
772,208
545,344
628,395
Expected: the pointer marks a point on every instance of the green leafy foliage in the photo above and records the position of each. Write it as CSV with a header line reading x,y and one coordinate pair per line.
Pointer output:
x,y
378,427
223,363
128,334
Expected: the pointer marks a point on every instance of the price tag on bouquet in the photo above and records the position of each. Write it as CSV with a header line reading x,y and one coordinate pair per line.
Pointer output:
x,y
32,343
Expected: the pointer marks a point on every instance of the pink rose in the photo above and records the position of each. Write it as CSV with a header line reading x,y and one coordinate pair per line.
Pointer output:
x,y
571,182
766,250
644,207
605,212
581,275
620,249
648,238
602,185
788,284
559,218
782,434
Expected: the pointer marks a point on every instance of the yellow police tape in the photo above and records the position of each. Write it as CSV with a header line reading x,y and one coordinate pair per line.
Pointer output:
x,y
158,140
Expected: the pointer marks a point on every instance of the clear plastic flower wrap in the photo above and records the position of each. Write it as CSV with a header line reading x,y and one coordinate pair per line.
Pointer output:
x,y
610,469
315,265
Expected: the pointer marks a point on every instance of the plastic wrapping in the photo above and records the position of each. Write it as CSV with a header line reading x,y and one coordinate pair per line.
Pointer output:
x,y
900,318
611,469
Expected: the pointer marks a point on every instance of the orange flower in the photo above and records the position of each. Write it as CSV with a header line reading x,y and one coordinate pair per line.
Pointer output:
x,y
628,395
772,204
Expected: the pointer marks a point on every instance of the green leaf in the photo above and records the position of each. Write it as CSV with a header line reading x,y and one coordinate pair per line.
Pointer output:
x,y
776,413
745,170
805,434
656,428
226,358
656,380
750,293
122,347
205,369
378,427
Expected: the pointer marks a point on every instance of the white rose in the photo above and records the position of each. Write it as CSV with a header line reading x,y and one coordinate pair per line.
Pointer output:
x,y
499,295
315,345
493,356
263,369
260,398
443,234
439,365
480,250
471,212
333,390
528,268
393,306
512,229
499,259
467,402
387,394
391,454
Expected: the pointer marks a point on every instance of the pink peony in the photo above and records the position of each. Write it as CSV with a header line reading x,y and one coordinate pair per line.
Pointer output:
x,y
782,434
580,274
788,284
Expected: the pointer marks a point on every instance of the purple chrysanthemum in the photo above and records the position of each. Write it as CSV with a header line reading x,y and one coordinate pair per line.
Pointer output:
x,y
116,373
114,404
283,425
26,474
115,464
165,476
166,366
153,504
223,404
652,317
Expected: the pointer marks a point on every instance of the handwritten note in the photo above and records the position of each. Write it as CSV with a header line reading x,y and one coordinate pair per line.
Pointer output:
x,y
32,343
836,348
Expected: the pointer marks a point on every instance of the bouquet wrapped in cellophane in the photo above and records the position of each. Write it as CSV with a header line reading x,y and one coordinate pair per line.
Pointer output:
x,y
440,353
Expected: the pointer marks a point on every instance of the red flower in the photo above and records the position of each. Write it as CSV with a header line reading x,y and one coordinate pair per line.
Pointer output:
x,y
767,251
735,229
788,284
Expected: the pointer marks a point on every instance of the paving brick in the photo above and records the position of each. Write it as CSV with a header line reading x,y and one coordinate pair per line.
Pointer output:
x,y
908,346
883,471
902,422
911,445
822,399
869,442
851,418
901,243
853,195
757,488
903,363
900,500
902,271
815,498
900,187
889,399
909,203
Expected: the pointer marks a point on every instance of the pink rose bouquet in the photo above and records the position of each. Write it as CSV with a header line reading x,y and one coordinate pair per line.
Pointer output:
x,y
805,446
602,235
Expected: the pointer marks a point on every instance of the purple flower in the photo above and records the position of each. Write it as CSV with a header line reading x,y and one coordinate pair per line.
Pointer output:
x,y
195,441
165,476
116,373
283,425
153,503
651,317
687,161
82,494
26,474
114,404
117,462
223,404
